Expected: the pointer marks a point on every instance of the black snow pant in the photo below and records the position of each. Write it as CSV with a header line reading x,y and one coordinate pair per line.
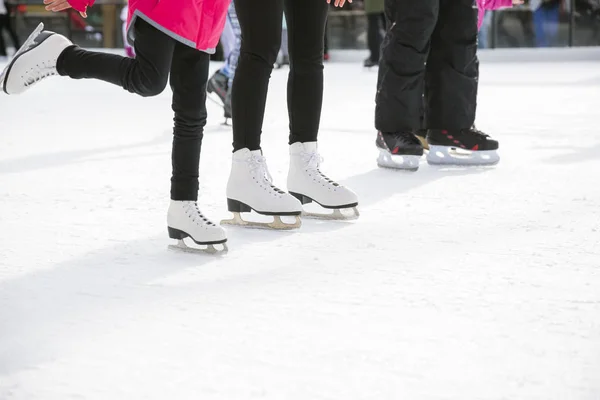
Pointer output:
x,y
431,48
260,23
157,55
5,25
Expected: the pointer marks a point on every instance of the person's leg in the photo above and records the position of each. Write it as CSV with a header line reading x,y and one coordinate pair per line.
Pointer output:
x,y
228,36
539,21
189,74
221,81
260,23
233,59
3,21
188,80
452,82
398,109
145,75
306,29
452,68
373,37
402,67
11,31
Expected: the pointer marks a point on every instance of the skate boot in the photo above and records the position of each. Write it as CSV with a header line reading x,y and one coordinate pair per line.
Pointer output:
x,y
400,150
461,147
250,188
185,219
218,85
368,63
34,61
421,134
307,183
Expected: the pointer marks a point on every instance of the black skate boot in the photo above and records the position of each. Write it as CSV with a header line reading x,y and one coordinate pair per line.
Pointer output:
x,y
218,84
368,63
400,150
461,147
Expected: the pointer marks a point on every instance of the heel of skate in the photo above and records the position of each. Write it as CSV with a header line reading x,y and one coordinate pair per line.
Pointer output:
x,y
302,198
237,207
208,247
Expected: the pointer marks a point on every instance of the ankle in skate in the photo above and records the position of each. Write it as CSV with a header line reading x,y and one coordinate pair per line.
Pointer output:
x,y
307,183
250,188
399,150
184,219
34,61
461,147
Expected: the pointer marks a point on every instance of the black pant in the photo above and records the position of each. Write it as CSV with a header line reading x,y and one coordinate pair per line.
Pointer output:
x,y
156,55
374,24
430,48
5,25
260,22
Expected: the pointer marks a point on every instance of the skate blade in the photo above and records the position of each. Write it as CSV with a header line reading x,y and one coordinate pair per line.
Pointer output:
x,y
276,224
336,215
21,50
403,162
209,249
445,155
214,97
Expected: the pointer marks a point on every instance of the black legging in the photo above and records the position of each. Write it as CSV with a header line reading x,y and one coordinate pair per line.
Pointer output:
x,y
260,22
5,25
157,55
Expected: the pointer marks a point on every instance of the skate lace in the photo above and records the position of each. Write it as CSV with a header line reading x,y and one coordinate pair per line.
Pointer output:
x,y
39,71
193,212
258,166
313,161
475,131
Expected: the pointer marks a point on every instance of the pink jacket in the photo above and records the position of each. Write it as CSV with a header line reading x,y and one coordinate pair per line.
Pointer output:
x,y
483,5
196,23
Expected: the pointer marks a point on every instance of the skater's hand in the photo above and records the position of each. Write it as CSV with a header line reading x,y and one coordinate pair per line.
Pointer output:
x,y
60,5
339,3
518,2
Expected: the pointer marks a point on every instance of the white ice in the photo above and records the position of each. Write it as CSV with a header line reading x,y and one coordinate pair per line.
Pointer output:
x,y
455,283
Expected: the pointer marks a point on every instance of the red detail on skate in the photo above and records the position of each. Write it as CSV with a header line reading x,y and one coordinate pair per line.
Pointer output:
x,y
396,149
476,147
450,137
445,132
456,141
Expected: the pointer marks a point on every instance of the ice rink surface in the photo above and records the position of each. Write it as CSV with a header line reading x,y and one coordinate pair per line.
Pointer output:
x,y
455,283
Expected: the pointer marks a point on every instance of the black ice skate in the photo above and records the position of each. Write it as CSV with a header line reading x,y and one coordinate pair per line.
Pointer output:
x,y
461,147
399,150
217,84
368,63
